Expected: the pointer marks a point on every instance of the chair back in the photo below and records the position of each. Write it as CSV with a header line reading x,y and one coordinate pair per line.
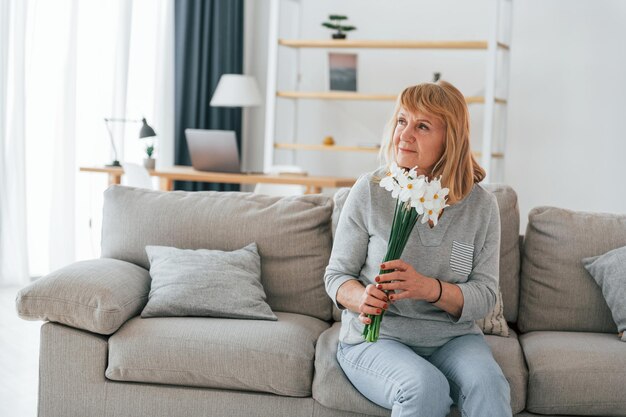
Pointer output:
x,y
281,189
137,176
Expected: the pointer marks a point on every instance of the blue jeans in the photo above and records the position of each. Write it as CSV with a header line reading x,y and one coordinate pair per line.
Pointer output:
x,y
462,371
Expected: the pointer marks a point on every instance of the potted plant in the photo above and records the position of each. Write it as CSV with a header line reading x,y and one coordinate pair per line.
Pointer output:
x,y
335,24
149,162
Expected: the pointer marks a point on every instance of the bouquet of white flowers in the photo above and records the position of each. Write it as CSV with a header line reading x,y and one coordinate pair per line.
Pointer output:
x,y
416,196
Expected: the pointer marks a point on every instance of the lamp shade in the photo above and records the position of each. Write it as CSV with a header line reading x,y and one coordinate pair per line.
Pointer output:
x,y
234,90
146,130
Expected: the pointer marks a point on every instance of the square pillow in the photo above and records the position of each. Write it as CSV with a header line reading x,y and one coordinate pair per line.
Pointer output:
x,y
609,271
206,283
495,323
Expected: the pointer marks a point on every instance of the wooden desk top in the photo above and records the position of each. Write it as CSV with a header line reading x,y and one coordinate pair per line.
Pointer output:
x,y
187,173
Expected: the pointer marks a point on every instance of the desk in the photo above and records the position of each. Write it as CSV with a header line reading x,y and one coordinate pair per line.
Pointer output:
x,y
168,175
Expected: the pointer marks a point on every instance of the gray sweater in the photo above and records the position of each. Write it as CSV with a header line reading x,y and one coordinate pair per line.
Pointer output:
x,y
464,249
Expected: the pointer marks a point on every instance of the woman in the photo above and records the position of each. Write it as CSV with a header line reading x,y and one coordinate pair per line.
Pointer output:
x,y
430,353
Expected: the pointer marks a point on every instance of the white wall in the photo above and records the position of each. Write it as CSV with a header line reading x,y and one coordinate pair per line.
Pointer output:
x,y
567,142
565,145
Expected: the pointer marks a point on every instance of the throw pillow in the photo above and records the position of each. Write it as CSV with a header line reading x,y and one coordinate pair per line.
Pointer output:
x,y
205,282
609,272
495,323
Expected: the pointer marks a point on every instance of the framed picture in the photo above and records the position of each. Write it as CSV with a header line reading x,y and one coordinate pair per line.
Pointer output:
x,y
342,71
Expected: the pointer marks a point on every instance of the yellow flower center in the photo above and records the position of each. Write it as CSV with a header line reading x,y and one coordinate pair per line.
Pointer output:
x,y
422,199
430,212
435,196
409,186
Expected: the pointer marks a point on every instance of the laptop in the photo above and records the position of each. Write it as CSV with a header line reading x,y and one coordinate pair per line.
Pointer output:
x,y
214,150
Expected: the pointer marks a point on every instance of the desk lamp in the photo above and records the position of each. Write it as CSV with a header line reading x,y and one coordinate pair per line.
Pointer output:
x,y
146,131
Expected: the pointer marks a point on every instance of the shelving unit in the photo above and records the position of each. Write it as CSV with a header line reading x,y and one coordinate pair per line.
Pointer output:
x,y
489,100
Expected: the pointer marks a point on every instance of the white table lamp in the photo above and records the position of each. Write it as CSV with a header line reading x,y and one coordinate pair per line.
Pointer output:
x,y
234,90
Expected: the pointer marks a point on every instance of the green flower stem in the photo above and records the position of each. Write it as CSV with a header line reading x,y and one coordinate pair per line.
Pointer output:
x,y
404,219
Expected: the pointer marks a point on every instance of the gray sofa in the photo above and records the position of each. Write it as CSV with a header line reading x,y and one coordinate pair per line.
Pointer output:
x,y
99,358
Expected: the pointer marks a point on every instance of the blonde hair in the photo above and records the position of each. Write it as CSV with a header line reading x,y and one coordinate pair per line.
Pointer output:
x,y
457,167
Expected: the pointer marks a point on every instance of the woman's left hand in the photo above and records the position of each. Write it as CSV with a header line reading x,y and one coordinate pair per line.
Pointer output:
x,y
407,281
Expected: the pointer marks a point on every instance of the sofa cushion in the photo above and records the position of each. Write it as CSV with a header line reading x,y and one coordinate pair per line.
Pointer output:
x,y
509,248
332,389
206,283
508,354
292,235
251,355
556,291
575,373
98,295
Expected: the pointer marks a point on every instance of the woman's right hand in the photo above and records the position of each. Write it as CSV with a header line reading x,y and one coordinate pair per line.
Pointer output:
x,y
373,301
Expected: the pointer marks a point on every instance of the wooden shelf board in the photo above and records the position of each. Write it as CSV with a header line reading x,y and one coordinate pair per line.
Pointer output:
x,y
332,148
497,155
348,95
339,148
385,44
335,95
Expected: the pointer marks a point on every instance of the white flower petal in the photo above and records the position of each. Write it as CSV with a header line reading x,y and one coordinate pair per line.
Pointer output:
x,y
388,183
402,180
405,194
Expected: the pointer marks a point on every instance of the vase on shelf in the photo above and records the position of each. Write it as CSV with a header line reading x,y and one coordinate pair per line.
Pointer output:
x,y
149,163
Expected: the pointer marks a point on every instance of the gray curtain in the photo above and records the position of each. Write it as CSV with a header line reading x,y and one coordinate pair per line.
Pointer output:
x,y
208,43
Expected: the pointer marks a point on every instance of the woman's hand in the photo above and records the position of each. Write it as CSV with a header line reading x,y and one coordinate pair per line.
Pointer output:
x,y
369,300
373,301
407,281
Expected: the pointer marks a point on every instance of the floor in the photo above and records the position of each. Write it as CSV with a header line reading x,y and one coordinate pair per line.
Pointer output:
x,y
19,359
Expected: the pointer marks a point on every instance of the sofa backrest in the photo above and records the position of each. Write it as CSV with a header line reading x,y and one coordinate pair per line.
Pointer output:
x,y
556,291
509,248
292,234
509,245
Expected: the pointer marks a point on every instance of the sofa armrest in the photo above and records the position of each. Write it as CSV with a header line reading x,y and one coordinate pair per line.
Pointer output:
x,y
97,295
